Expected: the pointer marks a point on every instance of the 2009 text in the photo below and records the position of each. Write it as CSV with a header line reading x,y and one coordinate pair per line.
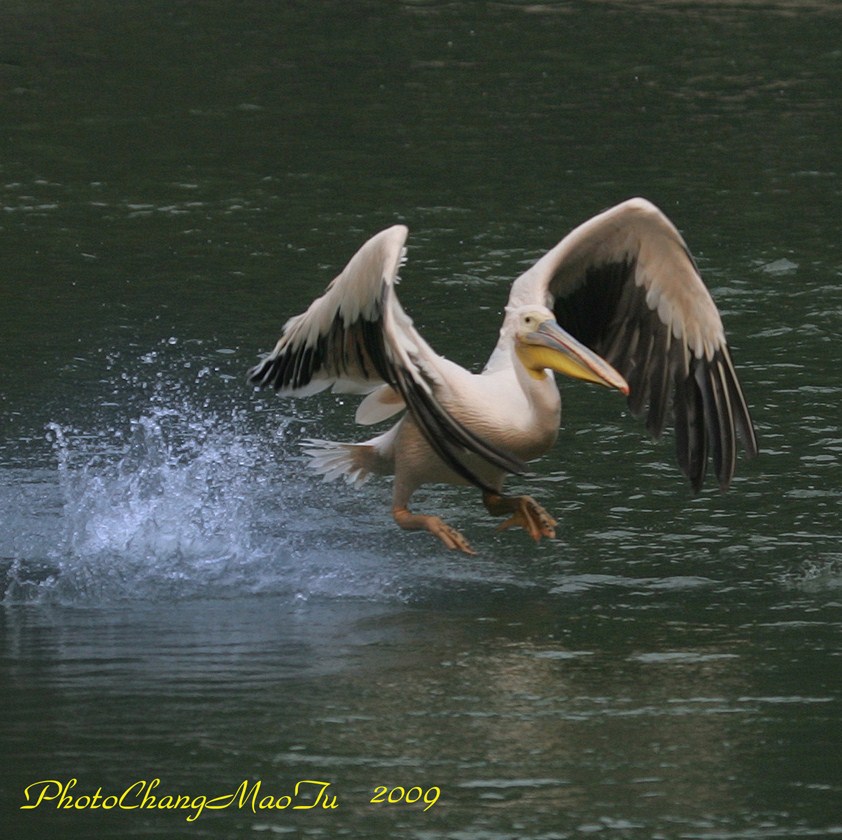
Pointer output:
x,y
393,796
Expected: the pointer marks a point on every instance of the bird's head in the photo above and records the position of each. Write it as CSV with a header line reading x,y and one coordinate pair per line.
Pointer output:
x,y
541,344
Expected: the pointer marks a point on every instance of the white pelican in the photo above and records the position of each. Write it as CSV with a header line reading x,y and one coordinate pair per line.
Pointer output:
x,y
619,301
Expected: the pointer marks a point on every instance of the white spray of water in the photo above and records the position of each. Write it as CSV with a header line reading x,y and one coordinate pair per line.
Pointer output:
x,y
183,500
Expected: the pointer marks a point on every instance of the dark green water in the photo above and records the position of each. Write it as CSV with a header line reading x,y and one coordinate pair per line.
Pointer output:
x,y
182,601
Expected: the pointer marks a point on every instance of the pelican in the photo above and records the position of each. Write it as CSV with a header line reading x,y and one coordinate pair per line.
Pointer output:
x,y
618,302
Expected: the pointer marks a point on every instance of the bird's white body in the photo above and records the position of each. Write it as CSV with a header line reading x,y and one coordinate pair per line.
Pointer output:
x,y
526,424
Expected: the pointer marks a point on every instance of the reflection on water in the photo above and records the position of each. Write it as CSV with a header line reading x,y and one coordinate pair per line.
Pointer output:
x,y
527,711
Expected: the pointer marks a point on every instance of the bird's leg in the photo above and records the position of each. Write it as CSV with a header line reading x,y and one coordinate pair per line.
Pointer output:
x,y
421,522
525,512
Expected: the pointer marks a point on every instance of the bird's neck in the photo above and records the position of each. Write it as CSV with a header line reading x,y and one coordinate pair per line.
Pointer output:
x,y
537,383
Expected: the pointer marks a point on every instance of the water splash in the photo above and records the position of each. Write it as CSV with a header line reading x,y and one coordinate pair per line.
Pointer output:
x,y
190,497
816,575
170,511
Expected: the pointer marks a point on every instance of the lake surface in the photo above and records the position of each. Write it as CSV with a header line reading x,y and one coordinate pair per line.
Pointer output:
x,y
182,601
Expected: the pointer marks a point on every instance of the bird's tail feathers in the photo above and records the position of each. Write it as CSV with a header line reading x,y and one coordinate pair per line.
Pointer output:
x,y
330,459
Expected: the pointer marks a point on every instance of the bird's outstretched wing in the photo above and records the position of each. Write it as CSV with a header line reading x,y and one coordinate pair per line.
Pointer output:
x,y
356,337
625,284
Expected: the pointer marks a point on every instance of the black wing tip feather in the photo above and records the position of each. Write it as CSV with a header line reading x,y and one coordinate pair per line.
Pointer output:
x,y
691,439
742,416
279,371
287,370
711,416
263,373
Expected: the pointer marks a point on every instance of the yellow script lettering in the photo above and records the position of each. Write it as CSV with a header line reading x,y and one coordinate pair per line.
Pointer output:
x,y
196,805
246,793
149,800
322,786
65,800
121,803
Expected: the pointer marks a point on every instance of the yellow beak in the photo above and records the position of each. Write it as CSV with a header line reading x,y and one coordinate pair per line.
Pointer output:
x,y
552,347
